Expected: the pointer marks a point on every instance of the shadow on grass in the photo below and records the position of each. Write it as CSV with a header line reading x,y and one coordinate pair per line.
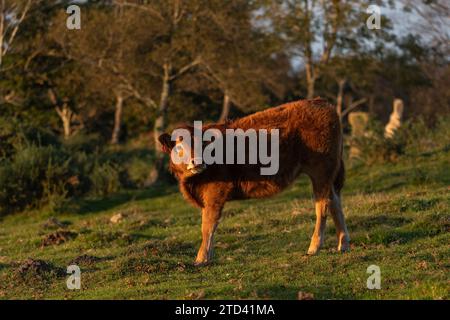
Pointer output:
x,y
367,223
85,206
402,234
380,182
4,266
411,170
427,154
388,230
396,237
281,292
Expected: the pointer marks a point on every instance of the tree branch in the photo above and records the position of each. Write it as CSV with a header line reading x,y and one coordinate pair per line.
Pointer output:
x,y
16,27
145,8
353,106
186,68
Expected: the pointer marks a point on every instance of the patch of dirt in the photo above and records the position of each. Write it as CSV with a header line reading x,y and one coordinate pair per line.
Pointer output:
x,y
305,295
57,237
196,295
151,265
34,268
86,260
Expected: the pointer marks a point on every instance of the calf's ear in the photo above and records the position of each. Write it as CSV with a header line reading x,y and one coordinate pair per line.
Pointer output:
x,y
166,143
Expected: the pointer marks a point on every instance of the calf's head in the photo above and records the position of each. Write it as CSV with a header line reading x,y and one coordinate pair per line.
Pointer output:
x,y
185,159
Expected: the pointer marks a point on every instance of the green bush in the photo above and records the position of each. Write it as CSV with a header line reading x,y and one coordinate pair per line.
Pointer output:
x,y
83,143
34,176
412,138
37,168
138,171
374,147
105,179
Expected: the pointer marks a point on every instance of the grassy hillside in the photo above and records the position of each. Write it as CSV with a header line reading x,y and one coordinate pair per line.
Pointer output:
x,y
398,216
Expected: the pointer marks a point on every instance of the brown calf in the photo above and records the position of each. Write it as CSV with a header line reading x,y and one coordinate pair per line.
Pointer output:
x,y
310,142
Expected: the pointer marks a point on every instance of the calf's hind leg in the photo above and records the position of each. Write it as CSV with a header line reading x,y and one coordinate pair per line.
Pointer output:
x,y
339,221
326,199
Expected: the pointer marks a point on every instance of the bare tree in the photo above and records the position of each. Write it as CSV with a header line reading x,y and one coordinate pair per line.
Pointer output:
x,y
434,20
312,31
12,15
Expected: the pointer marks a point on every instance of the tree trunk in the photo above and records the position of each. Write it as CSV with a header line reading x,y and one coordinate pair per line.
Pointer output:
x,y
160,122
117,120
340,97
310,80
67,131
159,127
66,117
310,88
225,107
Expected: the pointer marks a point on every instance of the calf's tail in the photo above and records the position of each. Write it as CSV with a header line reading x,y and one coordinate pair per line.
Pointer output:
x,y
340,178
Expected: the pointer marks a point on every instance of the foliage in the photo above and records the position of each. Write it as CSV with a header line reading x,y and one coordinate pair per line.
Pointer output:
x,y
74,104
412,138
36,169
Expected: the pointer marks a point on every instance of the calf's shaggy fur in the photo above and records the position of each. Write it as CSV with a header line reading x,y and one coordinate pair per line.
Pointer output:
x,y
310,142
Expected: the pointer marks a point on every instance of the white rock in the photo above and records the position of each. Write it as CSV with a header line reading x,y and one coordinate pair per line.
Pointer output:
x,y
116,218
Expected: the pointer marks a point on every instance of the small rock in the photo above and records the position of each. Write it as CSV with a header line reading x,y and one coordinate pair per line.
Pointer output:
x,y
117,218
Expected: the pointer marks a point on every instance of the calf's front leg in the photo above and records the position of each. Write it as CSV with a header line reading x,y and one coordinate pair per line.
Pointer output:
x,y
210,220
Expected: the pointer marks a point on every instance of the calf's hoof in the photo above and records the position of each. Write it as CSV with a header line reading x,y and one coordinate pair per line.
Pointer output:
x,y
201,263
313,250
202,260
344,247
344,244
314,246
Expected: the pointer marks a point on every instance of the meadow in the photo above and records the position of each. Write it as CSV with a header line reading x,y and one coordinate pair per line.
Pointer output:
x,y
398,215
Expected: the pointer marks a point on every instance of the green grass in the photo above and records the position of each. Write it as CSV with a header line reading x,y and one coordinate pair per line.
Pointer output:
x,y
398,216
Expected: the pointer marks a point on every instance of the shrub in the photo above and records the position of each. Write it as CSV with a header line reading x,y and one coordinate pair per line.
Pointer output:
x,y
105,179
35,175
138,170
38,169
375,148
412,138
83,143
